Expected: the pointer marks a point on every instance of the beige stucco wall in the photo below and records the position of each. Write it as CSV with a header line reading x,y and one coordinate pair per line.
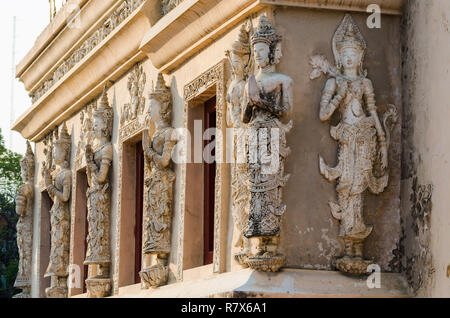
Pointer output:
x,y
309,236
427,148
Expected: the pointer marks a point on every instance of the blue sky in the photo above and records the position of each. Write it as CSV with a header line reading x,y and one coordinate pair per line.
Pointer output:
x,y
32,18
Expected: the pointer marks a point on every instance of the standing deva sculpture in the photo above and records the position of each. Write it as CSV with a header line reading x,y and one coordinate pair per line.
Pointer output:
x,y
158,206
363,141
24,227
99,156
268,97
58,184
240,62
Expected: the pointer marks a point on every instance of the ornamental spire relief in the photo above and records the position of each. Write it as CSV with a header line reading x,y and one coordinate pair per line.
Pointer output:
x,y
24,208
99,156
58,183
159,202
363,140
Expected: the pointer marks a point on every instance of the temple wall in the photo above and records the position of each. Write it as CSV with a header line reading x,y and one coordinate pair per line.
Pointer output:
x,y
407,62
426,148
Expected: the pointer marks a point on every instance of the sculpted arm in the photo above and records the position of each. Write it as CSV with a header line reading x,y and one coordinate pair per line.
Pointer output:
x,y
328,104
102,173
288,96
162,161
372,108
63,195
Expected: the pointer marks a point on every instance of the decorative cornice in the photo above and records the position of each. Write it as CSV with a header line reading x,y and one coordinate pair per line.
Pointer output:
x,y
194,24
122,12
108,61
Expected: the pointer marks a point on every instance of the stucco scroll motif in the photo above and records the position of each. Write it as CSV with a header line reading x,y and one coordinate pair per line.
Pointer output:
x,y
58,183
240,61
362,137
159,201
99,155
268,98
24,208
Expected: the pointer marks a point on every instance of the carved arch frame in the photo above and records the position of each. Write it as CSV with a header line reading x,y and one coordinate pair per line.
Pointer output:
x,y
210,83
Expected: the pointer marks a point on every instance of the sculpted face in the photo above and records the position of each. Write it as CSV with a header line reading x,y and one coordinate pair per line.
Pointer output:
x,y
350,57
155,109
262,52
59,154
237,64
99,126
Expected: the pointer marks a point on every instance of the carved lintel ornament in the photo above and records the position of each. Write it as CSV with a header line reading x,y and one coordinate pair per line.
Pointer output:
x,y
24,227
159,201
268,98
99,156
363,139
58,184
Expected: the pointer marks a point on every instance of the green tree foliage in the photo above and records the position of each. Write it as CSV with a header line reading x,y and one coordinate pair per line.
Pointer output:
x,y
10,179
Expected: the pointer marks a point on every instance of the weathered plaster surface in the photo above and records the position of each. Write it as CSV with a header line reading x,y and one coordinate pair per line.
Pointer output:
x,y
426,65
309,237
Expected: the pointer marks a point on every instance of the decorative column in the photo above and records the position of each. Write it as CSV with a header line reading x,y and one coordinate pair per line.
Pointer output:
x,y
240,61
363,140
99,155
58,184
158,206
268,97
24,208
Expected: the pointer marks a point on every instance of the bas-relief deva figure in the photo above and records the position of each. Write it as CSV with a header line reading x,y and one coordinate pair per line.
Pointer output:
x,y
158,207
268,97
99,156
59,185
363,143
24,209
239,58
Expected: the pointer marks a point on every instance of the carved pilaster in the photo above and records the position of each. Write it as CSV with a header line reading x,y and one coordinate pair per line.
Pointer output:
x,y
24,208
362,137
268,98
159,185
99,156
58,184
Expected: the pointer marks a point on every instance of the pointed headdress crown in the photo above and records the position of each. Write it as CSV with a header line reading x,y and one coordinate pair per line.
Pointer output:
x,y
265,33
27,163
63,136
242,45
163,95
348,35
161,92
105,111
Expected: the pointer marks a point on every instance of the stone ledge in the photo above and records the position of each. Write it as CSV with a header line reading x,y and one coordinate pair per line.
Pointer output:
x,y
287,283
105,63
394,7
57,41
